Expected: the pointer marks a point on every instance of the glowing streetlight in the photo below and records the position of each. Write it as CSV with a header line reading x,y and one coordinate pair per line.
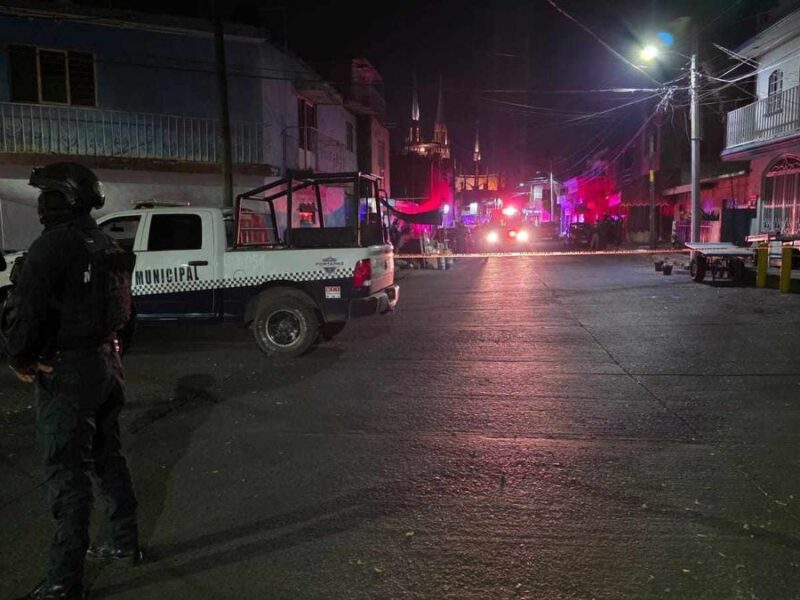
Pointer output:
x,y
649,53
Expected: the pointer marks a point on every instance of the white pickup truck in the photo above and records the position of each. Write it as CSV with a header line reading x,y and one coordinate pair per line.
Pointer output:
x,y
291,287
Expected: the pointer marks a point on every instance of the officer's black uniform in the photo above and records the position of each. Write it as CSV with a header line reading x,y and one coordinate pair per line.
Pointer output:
x,y
79,403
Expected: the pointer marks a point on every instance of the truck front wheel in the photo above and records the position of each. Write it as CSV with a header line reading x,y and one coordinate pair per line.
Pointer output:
x,y
284,325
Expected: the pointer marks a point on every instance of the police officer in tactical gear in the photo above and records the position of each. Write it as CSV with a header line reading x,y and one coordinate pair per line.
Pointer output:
x,y
71,295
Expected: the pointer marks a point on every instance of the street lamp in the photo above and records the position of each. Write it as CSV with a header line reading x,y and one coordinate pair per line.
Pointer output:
x,y
650,53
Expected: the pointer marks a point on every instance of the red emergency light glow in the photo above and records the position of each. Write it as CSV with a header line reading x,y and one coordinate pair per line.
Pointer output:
x,y
512,233
510,211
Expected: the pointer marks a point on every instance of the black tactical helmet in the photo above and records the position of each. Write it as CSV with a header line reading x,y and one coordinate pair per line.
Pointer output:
x,y
80,186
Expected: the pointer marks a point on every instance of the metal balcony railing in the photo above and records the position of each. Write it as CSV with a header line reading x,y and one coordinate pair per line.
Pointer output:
x,y
765,120
68,130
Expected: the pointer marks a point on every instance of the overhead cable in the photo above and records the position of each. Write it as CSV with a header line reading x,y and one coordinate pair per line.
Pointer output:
x,y
602,42
769,67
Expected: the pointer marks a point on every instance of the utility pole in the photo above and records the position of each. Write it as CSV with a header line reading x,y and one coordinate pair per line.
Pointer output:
x,y
552,199
223,111
651,142
696,137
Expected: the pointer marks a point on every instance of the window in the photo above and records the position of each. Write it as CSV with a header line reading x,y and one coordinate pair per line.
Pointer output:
x,y
123,230
23,66
81,78
774,90
307,123
53,86
49,76
351,134
175,232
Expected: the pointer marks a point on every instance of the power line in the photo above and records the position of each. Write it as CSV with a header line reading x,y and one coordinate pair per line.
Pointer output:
x,y
605,134
310,76
602,42
600,134
722,13
777,63
568,91
742,59
532,108
581,117
615,108
661,106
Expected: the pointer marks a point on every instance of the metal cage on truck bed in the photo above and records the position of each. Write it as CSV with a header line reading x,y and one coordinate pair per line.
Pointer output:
x,y
290,212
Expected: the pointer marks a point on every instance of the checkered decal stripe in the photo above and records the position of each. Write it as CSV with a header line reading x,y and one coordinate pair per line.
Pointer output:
x,y
238,282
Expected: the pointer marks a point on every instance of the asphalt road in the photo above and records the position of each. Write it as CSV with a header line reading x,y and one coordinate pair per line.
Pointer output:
x,y
548,428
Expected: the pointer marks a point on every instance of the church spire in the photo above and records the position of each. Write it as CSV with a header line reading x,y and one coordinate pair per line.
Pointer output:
x,y
414,101
439,128
476,153
440,104
413,131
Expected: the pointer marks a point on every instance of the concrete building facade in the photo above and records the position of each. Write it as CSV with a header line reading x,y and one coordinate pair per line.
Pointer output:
x,y
134,97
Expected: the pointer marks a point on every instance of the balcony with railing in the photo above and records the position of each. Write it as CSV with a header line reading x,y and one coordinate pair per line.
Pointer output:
x,y
73,131
764,121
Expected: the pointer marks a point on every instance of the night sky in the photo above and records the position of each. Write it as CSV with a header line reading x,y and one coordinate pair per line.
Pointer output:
x,y
495,54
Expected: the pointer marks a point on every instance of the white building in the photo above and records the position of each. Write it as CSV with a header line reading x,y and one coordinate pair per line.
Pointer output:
x,y
767,131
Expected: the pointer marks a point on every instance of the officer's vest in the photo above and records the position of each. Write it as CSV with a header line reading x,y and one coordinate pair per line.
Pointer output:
x,y
95,300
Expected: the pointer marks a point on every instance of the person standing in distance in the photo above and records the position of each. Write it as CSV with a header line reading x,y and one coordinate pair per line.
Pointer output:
x,y
71,297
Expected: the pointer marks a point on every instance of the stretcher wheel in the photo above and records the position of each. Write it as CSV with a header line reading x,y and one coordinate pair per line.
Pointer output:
x,y
698,267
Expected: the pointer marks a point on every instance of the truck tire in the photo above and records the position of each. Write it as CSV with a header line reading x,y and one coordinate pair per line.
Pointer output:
x,y
285,325
697,268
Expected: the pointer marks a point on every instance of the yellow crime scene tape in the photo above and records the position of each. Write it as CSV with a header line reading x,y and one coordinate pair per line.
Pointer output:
x,y
642,252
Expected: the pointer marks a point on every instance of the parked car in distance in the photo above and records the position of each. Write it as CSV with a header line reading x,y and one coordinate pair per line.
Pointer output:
x,y
549,231
579,235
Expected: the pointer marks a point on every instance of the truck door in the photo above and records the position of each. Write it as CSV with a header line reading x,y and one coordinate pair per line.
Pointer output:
x,y
176,270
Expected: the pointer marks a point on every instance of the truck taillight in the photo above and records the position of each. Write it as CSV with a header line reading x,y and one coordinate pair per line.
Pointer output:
x,y
362,277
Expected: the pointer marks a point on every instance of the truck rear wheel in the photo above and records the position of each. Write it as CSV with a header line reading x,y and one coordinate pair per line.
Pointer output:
x,y
285,325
